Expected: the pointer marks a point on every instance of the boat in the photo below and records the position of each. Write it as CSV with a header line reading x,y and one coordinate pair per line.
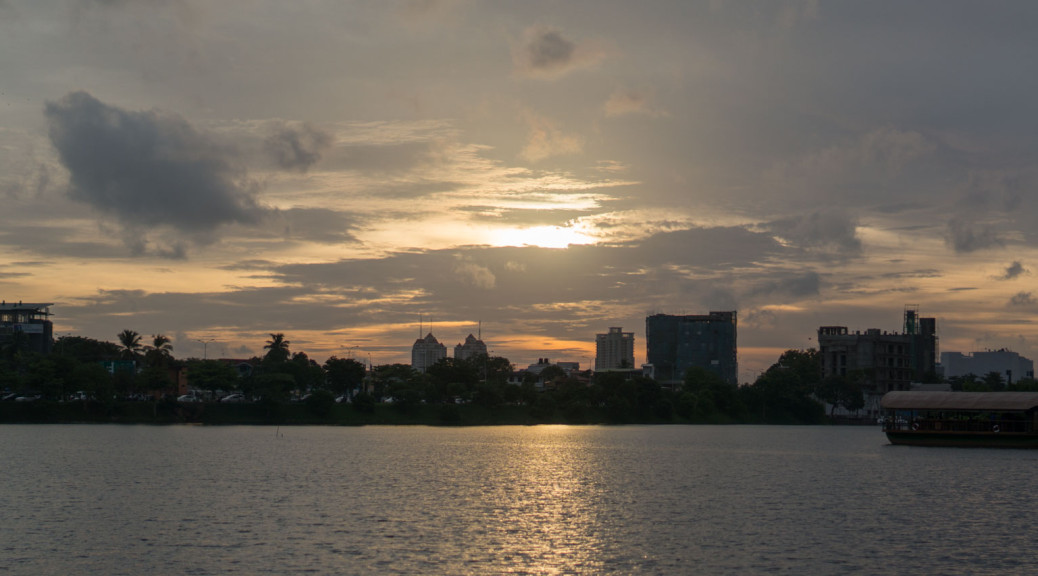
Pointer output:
x,y
964,419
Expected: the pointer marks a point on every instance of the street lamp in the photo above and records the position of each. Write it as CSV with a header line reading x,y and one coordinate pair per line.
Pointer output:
x,y
349,350
205,347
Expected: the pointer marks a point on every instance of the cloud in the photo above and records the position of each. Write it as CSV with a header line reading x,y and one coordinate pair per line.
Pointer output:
x,y
793,13
1025,299
318,225
545,140
965,235
472,273
147,168
544,53
297,147
625,103
800,285
830,232
866,167
1012,271
414,11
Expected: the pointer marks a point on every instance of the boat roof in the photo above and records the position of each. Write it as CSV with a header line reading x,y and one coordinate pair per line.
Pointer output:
x,y
960,400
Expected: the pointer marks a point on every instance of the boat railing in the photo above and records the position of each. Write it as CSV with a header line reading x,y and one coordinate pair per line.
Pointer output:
x,y
973,425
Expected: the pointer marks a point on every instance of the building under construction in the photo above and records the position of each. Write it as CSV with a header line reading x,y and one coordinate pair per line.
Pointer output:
x,y
883,360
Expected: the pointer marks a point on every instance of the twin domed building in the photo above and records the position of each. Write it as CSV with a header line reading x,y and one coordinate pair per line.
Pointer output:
x,y
427,351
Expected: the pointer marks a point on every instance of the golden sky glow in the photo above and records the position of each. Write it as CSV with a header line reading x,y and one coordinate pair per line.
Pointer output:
x,y
333,171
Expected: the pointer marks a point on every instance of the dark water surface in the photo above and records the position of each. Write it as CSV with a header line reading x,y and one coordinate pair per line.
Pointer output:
x,y
517,500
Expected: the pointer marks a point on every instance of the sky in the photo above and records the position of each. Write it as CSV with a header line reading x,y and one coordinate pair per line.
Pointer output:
x,y
355,173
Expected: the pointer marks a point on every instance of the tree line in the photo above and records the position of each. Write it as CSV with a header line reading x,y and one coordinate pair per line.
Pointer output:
x,y
790,391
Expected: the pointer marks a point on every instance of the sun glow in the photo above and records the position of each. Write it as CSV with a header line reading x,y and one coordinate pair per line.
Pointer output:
x,y
541,236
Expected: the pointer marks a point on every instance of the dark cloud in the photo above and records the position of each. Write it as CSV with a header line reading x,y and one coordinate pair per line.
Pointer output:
x,y
1023,299
922,273
545,53
318,225
1012,271
297,147
380,157
249,265
799,285
709,248
56,241
147,168
965,235
832,232
547,49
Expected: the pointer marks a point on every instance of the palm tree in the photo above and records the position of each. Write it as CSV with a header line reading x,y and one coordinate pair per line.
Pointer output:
x,y
160,351
158,356
131,343
277,348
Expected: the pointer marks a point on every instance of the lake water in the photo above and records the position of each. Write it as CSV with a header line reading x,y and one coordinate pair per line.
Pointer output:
x,y
516,500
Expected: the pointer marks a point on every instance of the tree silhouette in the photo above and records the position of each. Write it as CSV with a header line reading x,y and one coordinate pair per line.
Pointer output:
x,y
130,340
160,351
277,349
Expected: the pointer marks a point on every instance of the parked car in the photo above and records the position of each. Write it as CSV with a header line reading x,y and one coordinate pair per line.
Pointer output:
x,y
188,398
233,398
27,398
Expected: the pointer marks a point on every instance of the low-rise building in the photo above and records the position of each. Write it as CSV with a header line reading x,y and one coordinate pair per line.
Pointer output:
x,y
1008,364
28,323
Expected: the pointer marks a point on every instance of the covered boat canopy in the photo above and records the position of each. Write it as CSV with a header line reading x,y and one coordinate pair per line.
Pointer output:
x,y
1000,401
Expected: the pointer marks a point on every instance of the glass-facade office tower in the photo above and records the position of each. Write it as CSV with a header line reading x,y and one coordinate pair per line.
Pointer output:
x,y
676,343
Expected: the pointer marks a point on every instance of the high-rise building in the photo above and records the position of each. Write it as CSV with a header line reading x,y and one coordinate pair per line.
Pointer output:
x,y
427,351
29,323
614,350
673,344
472,348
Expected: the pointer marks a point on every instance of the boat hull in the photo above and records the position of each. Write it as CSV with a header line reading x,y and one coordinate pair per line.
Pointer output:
x,y
962,439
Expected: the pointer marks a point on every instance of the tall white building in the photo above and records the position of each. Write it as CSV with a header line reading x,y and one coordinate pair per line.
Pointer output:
x,y
427,351
614,350
472,348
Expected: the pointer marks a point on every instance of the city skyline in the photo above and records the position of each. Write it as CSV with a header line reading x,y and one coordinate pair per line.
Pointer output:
x,y
220,172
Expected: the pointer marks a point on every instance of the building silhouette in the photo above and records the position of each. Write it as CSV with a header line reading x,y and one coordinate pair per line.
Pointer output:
x,y
883,361
28,325
1010,365
673,344
614,350
427,351
472,348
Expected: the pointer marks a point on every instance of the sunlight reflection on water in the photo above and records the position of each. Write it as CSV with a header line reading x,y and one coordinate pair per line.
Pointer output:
x,y
516,500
